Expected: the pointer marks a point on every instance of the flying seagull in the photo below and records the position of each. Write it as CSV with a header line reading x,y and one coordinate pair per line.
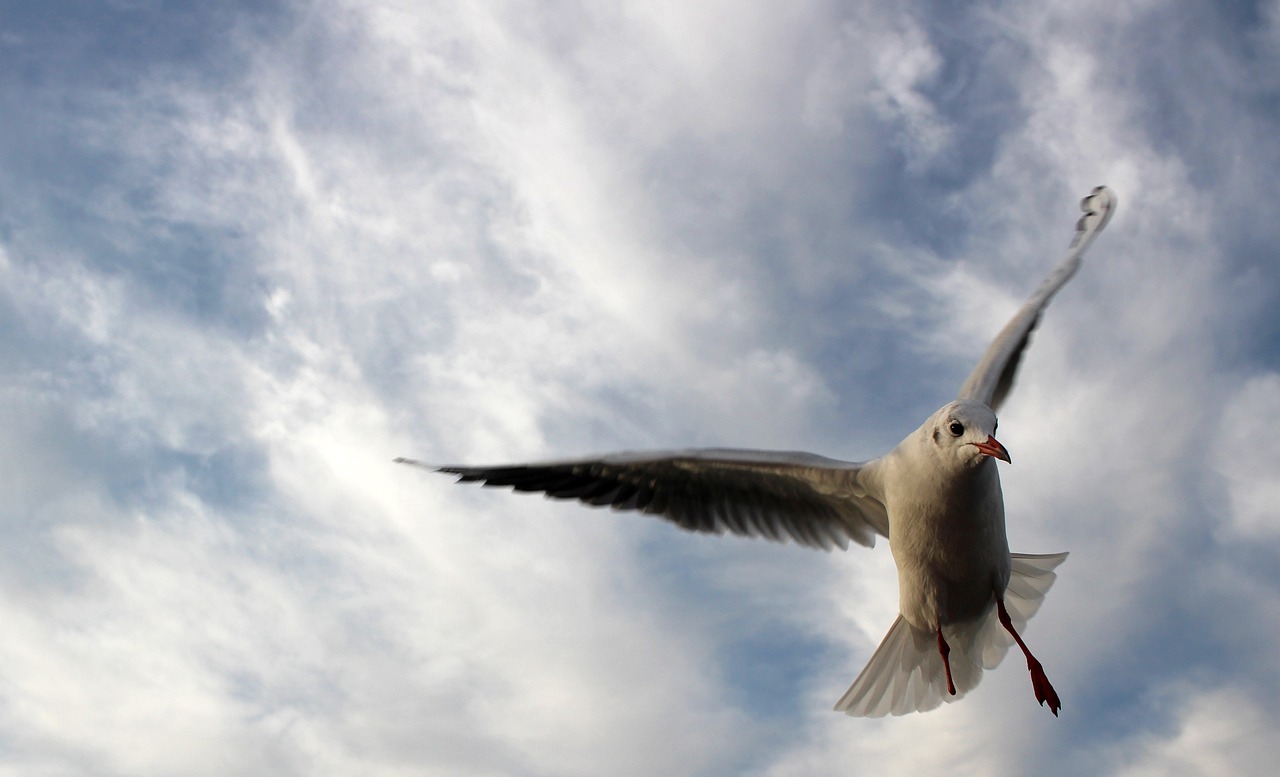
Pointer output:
x,y
963,598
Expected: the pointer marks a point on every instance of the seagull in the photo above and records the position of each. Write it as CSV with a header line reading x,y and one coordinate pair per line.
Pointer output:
x,y
963,598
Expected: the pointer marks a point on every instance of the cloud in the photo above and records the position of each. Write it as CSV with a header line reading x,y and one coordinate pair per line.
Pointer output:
x,y
249,272
1217,732
1246,455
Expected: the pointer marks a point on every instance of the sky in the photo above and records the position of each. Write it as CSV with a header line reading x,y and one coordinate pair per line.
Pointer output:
x,y
250,252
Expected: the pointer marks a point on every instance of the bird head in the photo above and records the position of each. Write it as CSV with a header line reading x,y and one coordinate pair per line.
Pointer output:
x,y
964,431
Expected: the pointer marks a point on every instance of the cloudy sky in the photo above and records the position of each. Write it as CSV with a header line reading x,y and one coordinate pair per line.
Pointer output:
x,y
252,251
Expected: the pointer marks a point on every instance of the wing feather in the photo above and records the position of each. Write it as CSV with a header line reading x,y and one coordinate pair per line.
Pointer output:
x,y
811,500
992,379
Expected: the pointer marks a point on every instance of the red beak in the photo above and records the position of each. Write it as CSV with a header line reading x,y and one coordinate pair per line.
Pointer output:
x,y
993,448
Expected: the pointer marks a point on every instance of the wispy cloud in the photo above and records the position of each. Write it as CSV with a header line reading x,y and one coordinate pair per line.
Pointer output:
x,y
242,269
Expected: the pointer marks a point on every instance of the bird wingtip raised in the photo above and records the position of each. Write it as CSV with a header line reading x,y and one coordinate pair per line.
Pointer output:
x,y
1098,208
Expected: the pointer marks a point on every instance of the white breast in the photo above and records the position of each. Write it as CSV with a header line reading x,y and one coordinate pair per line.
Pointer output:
x,y
948,540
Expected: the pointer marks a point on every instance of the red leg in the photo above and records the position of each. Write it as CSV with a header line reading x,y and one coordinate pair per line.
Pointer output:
x,y
1039,681
945,650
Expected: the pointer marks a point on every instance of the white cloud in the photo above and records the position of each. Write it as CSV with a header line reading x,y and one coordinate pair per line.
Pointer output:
x,y
1248,458
904,61
1217,732
521,230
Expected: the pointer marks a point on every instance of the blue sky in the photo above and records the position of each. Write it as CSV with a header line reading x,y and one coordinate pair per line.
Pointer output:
x,y
250,252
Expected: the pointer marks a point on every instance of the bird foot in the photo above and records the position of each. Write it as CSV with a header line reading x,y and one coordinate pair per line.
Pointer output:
x,y
945,651
1043,688
1039,680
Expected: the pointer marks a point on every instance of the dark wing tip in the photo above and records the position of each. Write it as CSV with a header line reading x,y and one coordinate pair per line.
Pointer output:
x,y
1098,208
416,463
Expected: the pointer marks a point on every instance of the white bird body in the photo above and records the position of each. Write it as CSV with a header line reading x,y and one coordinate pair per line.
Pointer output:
x,y
946,521
962,596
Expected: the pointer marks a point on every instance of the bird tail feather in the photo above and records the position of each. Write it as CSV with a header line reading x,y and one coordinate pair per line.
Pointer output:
x,y
906,674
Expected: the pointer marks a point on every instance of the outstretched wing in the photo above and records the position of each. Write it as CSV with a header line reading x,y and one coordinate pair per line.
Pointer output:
x,y
810,499
991,380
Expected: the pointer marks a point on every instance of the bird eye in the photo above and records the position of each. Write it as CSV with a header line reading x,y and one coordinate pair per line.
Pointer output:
x,y
956,428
